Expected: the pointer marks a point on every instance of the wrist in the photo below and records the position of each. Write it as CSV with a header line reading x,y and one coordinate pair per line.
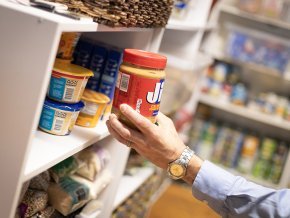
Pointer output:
x,y
193,168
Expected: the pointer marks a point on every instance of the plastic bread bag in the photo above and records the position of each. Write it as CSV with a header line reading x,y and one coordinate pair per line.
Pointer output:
x,y
40,182
45,213
33,202
91,210
94,159
68,195
98,185
65,168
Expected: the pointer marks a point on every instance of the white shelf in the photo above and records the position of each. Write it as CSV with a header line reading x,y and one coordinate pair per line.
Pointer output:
x,y
250,66
187,26
244,112
231,9
104,28
129,184
48,150
250,177
65,24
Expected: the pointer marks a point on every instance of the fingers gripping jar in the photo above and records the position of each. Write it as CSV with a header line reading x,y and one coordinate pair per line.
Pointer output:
x,y
140,84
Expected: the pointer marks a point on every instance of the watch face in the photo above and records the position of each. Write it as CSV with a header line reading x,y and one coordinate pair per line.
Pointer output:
x,y
176,170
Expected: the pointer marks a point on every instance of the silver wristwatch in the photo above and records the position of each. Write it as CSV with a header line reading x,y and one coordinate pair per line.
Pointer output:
x,y
177,168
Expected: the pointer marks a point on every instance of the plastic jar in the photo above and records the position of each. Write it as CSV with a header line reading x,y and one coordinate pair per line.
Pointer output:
x,y
59,118
67,45
95,104
140,84
67,82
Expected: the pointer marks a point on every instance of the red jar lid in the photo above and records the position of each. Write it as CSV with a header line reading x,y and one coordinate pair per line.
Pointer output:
x,y
144,59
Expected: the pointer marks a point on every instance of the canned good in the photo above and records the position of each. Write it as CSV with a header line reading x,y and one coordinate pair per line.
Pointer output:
x,y
248,154
140,84
95,104
59,118
67,82
67,45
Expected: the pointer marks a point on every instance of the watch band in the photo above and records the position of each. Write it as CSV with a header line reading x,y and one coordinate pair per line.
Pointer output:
x,y
185,157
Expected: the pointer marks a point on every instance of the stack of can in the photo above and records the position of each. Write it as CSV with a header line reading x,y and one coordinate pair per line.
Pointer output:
x,y
261,156
63,106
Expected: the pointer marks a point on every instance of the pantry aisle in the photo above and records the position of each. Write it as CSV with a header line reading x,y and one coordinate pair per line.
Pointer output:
x,y
177,202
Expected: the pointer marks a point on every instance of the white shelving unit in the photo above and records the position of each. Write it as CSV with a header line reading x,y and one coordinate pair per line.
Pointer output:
x,y
258,78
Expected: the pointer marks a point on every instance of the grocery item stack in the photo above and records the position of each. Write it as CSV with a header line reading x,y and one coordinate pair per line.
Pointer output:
x,y
67,100
66,188
223,81
258,48
128,13
261,156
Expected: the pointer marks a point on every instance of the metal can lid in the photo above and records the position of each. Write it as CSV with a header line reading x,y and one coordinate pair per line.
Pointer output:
x,y
144,58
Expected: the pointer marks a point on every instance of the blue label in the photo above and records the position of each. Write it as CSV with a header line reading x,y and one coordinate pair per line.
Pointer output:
x,y
46,118
155,113
56,88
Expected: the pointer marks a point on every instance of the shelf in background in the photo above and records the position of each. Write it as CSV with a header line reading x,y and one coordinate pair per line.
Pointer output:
x,y
129,184
250,66
244,112
48,150
231,9
250,177
187,26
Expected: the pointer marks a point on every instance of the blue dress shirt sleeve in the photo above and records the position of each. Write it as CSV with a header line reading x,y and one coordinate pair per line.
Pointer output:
x,y
233,196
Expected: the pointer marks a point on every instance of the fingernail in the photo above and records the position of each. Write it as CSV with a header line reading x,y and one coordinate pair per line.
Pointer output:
x,y
123,107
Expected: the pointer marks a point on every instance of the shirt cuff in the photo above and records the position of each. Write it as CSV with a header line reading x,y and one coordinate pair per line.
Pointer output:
x,y
211,185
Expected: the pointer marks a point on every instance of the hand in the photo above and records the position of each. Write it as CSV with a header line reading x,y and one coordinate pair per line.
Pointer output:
x,y
159,144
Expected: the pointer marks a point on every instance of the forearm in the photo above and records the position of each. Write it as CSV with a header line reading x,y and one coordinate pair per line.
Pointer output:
x,y
233,196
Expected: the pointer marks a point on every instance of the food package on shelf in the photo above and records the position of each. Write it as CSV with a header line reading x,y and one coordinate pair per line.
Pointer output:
x,y
263,163
65,168
278,162
272,8
33,201
94,159
45,213
240,149
40,182
256,47
252,6
68,195
97,186
73,192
